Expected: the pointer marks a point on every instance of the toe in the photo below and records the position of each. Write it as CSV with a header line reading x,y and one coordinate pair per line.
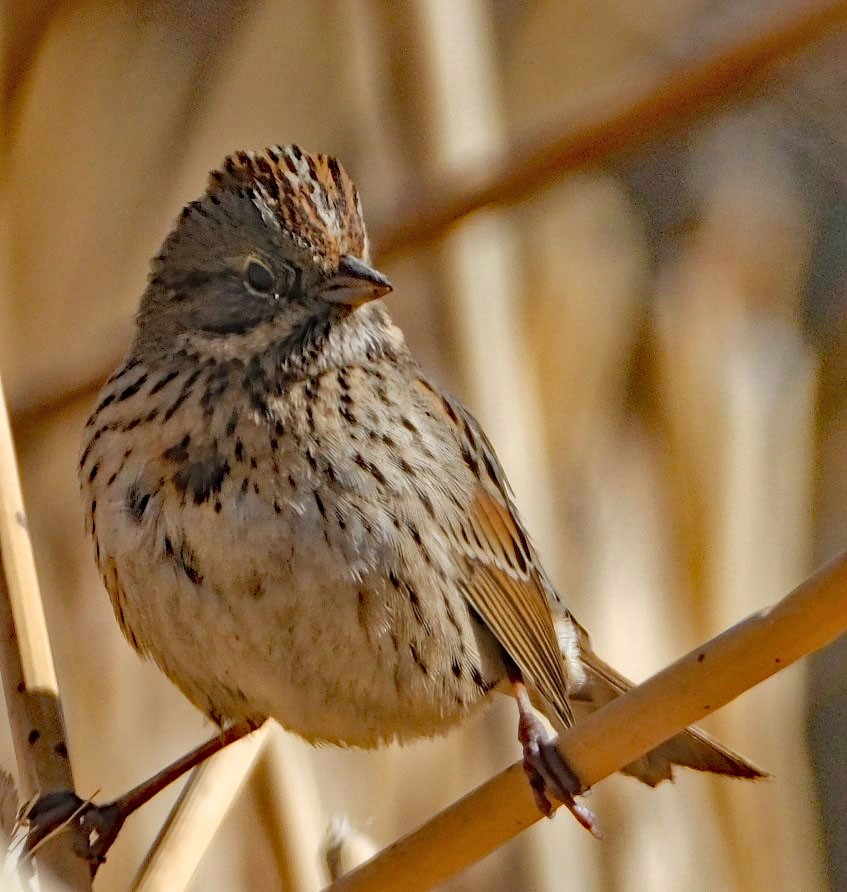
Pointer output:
x,y
561,781
50,813
549,772
54,806
550,775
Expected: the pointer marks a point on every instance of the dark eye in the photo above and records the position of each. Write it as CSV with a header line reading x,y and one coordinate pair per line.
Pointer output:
x,y
259,277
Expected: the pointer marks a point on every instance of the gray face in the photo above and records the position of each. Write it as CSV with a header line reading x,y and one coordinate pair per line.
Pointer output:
x,y
227,271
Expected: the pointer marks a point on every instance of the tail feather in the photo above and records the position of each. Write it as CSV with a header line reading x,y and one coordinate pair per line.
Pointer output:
x,y
692,748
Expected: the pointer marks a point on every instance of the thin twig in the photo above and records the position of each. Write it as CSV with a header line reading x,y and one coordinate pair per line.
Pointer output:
x,y
813,615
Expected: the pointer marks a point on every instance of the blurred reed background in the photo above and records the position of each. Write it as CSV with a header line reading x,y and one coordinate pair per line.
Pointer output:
x,y
655,341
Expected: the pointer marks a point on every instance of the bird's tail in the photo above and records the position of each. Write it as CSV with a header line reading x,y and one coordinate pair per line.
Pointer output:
x,y
691,748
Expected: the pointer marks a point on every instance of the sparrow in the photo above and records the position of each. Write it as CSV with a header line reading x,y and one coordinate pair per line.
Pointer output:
x,y
294,521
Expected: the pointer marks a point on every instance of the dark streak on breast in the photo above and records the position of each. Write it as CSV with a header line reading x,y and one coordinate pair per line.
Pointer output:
x,y
183,394
216,385
136,502
178,453
202,478
163,382
371,468
123,370
133,388
187,562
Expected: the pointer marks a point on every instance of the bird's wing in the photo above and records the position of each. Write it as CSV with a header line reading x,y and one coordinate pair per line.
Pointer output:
x,y
504,584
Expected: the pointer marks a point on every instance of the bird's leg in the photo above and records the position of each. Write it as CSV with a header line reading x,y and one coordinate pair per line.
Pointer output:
x,y
102,823
545,766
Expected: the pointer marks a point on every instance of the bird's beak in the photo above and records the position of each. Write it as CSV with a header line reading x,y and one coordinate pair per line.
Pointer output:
x,y
355,283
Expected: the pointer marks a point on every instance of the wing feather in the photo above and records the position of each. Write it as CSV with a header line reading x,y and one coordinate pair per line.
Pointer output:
x,y
515,608
504,583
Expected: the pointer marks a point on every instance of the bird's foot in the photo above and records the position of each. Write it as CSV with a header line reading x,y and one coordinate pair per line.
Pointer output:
x,y
98,825
549,773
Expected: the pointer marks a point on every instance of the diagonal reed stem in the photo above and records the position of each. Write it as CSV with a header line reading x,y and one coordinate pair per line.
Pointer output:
x,y
807,619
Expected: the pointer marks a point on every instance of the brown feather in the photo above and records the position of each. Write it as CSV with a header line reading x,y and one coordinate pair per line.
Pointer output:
x,y
507,588
692,748
510,609
503,585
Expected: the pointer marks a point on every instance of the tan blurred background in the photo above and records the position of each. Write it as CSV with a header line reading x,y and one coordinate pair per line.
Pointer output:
x,y
656,343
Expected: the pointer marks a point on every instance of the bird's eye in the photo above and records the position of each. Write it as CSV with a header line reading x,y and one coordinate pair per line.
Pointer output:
x,y
259,277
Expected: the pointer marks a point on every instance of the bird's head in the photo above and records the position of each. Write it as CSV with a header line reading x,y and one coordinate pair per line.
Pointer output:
x,y
275,253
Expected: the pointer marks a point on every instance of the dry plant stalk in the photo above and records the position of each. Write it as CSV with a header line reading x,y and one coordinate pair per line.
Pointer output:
x,y
197,814
26,663
688,93
266,757
813,615
289,804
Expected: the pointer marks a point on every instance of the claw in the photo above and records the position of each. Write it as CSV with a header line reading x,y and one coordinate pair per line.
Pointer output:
x,y
99,825
49,815
54,812
102,824
549,773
